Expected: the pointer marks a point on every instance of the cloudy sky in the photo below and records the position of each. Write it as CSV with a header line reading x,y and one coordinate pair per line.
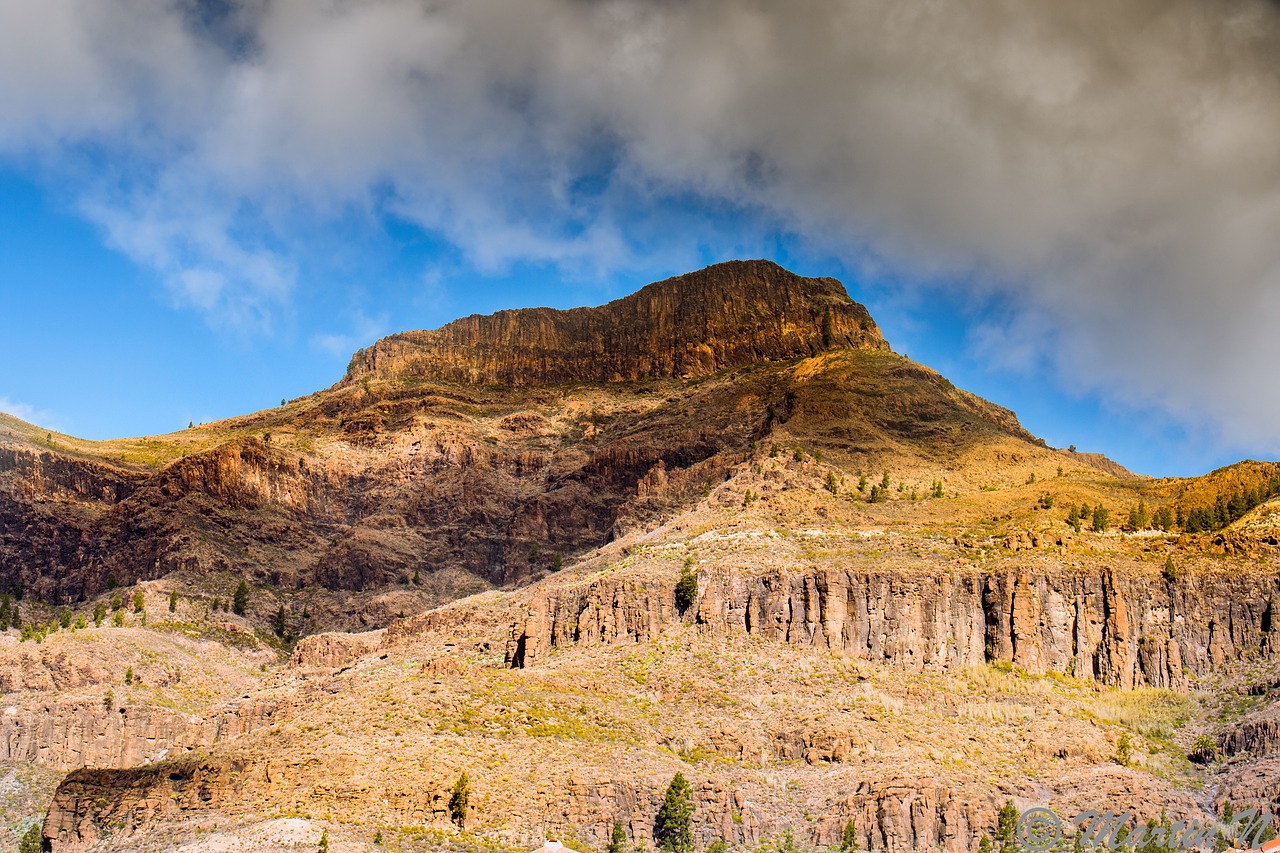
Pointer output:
x,y
1072,209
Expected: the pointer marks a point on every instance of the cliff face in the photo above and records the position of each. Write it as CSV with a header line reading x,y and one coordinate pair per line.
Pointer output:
x,y
727,315
891,815
1121,631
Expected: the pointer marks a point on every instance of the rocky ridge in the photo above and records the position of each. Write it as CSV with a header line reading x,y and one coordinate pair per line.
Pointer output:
x,y
728,315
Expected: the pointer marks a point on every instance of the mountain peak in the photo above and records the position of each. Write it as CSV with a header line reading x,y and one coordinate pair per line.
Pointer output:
x,y
725,315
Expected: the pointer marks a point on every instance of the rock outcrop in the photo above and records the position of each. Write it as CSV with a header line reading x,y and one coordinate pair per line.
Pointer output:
x,y
730,314
71,734
1122,630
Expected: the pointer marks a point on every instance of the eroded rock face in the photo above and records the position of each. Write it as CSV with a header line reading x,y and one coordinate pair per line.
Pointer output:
x,y
891,815
1122,631
729,314
67,735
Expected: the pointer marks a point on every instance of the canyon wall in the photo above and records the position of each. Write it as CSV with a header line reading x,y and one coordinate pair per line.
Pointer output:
x,y
1119,628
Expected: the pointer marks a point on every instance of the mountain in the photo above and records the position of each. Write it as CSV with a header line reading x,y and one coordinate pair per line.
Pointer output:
x,y
715,527
469,456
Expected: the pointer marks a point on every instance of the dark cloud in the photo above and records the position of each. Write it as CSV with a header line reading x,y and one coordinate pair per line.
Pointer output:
x,y
1110,167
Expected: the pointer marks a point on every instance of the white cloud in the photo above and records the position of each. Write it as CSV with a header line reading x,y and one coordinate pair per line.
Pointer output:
x,y
364,331
30,414
1111,167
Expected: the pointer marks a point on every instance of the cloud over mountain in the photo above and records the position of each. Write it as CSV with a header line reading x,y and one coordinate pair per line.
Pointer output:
x,y
1107,168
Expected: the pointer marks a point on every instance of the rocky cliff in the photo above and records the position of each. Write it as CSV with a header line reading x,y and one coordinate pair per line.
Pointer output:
x,y
1126,629
727,315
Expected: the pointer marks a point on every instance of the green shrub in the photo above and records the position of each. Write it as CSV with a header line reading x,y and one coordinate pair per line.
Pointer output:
x,y
32,840
849,837
686,589
1124,750
240,599
458,799
618,839
1101,517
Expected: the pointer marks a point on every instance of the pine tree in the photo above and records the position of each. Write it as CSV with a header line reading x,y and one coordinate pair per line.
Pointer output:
x,y
99,613
32,840
862,482
458,799
984,844
618,840
324,842
831,485
139,602
686,588
671,830
281,621
849,837
1006,823
240,599
1101,517
173,601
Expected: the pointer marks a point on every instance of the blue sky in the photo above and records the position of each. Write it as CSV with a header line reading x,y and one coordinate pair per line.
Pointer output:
x,y
206,207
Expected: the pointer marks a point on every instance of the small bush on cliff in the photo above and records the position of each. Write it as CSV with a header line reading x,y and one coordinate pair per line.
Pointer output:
x,y
139,602
671,829
240,598
686,588
323,847
459,798
1124,750
99,613
173,601
1204,749
849,837
832,485
32,841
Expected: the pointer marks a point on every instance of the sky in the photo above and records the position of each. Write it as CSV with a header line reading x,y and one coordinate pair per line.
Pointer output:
x,y
1070,209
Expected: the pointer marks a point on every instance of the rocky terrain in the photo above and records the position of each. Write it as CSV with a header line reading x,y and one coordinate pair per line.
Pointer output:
x,y
717,527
